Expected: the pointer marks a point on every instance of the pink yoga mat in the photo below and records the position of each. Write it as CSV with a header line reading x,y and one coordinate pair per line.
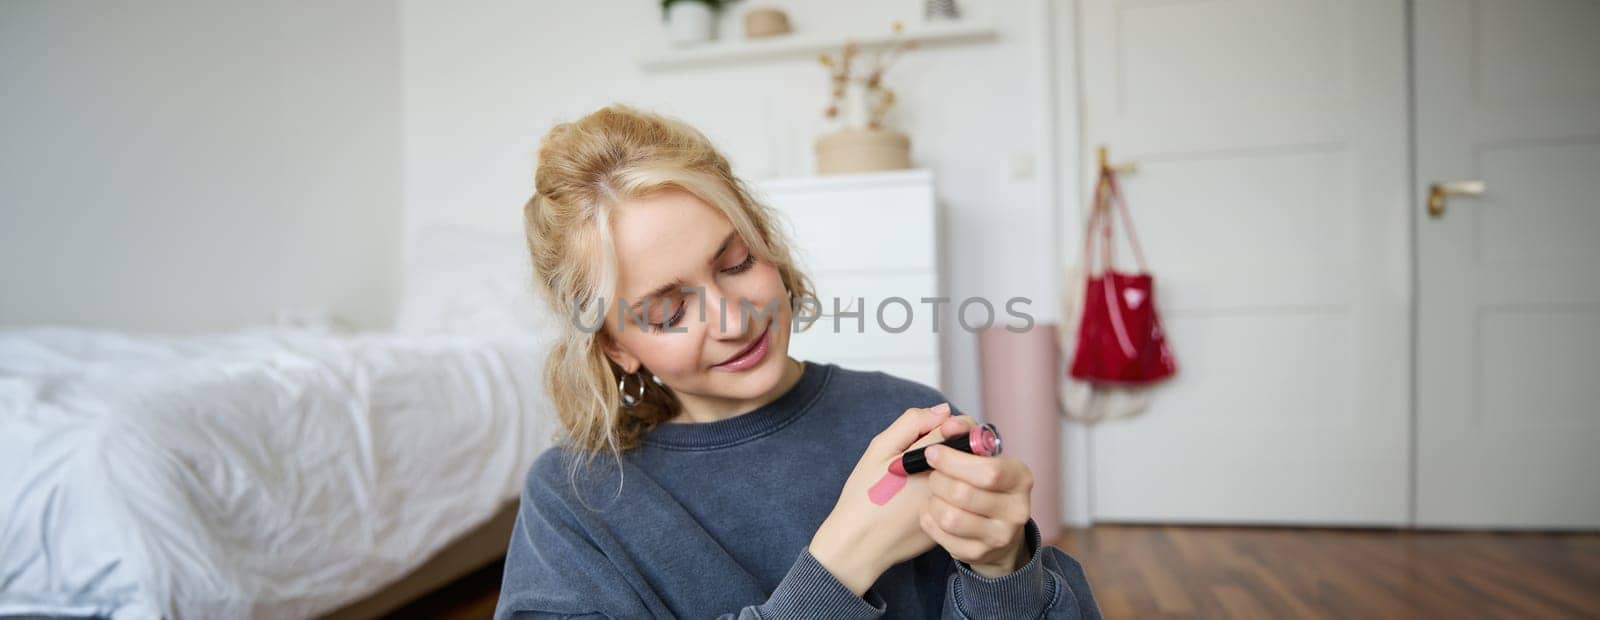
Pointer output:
x,y
1019,374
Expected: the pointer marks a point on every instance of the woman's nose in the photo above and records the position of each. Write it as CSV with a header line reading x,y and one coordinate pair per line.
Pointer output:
x,y
729,315
725,321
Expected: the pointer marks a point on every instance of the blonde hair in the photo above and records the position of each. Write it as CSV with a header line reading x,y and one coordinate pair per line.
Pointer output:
x,y
586,169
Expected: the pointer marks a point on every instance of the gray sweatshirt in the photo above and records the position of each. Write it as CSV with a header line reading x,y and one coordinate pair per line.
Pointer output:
x,y
712,521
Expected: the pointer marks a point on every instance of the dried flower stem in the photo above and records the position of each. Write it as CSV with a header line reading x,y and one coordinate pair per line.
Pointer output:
x,y
841,73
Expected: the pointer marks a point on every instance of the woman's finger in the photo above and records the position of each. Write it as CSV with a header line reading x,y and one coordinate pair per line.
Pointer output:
x,y
910,427
957,425
958,522
964,549
979,536
970,498
993,473
952,426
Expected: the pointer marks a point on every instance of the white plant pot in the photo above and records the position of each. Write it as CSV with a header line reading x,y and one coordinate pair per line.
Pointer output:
x,y
855,112
689,22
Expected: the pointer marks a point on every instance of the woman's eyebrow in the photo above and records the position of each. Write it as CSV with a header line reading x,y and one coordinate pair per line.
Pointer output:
x,y
677,283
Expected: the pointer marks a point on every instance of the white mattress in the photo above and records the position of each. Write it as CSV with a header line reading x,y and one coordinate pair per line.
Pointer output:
x,y
258,474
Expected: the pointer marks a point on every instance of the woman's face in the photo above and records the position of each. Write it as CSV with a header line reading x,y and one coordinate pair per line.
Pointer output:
x,y
698,342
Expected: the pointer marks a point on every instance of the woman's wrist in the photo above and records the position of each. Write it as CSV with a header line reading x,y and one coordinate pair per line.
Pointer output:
x,y
1017,558
850,561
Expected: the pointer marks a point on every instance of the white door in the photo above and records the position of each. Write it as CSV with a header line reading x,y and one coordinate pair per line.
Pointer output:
x,y
1272,197
1508,315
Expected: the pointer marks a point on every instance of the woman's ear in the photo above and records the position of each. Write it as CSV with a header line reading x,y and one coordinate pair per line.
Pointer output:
x,y
618,355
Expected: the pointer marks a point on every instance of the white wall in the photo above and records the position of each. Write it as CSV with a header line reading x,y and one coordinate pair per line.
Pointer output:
x,y
173,166
482,86
177,166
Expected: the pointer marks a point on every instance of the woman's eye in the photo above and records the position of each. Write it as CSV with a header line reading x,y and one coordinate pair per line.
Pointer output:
x,y
672,321
749,261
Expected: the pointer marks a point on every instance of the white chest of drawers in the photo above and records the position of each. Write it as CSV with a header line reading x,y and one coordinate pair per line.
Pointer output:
x,y
868,240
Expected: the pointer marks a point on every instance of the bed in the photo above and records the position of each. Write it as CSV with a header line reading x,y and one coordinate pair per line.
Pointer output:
x,y
271,472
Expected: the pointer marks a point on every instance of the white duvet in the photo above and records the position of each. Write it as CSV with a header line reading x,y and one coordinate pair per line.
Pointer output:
x,y
258,474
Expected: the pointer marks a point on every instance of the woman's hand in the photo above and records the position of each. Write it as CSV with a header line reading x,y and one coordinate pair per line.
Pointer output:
x,y
860,538
978,505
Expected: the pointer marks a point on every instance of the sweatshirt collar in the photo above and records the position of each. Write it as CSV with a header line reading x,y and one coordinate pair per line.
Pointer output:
x,y
747,426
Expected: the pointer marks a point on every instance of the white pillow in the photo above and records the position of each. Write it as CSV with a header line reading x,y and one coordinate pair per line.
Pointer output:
x,y
461,281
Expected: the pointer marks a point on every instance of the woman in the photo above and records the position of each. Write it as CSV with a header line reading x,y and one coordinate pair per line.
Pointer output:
x,y
735,480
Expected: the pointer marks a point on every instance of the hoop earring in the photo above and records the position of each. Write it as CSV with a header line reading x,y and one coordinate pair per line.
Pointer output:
x,y
627,399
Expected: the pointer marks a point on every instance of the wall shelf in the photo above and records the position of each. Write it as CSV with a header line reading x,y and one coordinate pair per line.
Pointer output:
x,y
846,182
806,45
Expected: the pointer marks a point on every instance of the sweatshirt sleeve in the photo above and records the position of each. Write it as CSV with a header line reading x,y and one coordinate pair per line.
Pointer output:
x,y
1050,585
810,591
553,570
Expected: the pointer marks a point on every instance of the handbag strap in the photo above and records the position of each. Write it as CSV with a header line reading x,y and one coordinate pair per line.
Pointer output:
x,y
1106,191
1096,227
1108,195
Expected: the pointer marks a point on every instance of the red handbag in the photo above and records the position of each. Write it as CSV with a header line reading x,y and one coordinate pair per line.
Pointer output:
x,y
1120,338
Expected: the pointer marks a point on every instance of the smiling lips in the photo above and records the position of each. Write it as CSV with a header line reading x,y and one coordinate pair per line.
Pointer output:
x,y
750,356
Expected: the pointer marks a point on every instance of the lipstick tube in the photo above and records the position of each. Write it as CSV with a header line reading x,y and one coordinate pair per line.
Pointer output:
x,y
982,440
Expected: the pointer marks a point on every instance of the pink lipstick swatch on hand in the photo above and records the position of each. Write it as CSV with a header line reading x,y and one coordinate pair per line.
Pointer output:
x,y
886,487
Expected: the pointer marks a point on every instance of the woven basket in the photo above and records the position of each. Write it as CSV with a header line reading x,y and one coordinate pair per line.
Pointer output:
x,y
862,150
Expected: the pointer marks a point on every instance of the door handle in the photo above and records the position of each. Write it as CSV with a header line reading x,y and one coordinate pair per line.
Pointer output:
x,y
1438,192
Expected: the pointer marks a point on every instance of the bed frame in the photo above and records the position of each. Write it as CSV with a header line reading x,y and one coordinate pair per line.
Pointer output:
x,y
471,551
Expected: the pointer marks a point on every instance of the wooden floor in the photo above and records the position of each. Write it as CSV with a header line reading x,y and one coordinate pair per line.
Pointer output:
x,y
1214,572
1225,572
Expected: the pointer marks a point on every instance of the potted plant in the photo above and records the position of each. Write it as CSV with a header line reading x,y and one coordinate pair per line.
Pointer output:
x,y
690,21
862,143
